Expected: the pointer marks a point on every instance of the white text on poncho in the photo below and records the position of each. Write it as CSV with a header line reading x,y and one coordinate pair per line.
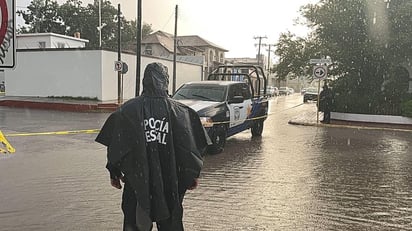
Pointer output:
x,y
156,130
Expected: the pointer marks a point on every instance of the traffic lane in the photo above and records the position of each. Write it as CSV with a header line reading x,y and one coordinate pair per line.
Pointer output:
x,y
20,120
255,179
368,168
364,178
286,180
58,182
55,182
298,177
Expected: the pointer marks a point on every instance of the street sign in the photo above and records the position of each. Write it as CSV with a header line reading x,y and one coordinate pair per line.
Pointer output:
x,y
320,71
7,34
320,61
125,68
118,65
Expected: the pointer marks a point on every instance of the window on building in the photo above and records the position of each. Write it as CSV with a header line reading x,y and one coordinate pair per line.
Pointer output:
x,y
221,58
148,50
42,44
60,45
211,56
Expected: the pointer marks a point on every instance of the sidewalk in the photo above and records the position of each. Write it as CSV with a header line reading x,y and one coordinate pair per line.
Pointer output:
x,y
309,118
59,104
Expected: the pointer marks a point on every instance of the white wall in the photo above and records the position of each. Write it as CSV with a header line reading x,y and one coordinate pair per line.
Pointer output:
x,y
31,41
371,118
68,43
185,72
55,73
110,76
84,73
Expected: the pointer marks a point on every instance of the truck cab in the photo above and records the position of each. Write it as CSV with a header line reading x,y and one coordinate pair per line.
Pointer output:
x,y
227,103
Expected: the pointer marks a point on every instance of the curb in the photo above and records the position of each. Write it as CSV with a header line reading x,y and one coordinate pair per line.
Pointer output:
x,y
60,106
375,126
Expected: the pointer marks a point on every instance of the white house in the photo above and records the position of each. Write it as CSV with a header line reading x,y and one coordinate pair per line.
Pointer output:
x,y
49,40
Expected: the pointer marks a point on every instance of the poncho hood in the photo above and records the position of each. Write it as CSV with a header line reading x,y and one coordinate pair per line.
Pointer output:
x,y
155,80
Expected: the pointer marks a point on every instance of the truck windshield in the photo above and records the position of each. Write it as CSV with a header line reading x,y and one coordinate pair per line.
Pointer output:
x,y
312,90
201,92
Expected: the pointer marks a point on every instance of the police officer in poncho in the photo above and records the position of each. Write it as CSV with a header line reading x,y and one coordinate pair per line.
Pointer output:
x,y
155,145
325,103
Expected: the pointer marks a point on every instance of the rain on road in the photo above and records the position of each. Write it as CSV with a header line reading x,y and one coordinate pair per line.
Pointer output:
x,y
293,178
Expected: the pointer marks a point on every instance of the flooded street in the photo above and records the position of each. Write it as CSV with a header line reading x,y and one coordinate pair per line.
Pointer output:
x,y
293,178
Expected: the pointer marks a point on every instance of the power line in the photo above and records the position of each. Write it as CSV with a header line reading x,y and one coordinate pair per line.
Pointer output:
x,y
168,20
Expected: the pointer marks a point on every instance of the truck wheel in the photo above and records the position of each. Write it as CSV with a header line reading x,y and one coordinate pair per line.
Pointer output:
x,y
219,141
257,128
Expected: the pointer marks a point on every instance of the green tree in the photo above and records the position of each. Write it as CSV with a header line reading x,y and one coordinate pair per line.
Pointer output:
x,y
78,18
400,30
129,33
294,53
42,16
290,50
367,40
109,20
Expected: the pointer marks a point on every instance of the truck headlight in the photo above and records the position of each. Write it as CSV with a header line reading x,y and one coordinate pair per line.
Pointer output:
x,y
207,122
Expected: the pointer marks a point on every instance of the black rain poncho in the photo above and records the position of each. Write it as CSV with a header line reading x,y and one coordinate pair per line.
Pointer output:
x,y
158,145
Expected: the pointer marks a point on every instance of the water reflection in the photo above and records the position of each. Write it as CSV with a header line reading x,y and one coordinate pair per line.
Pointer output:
x,y
309,179
292,178
363,180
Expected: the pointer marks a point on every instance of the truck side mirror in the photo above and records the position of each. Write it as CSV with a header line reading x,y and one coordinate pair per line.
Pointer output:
x,y
236,99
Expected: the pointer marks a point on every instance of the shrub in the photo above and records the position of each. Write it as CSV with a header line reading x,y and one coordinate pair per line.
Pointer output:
x,y
379,99
407,108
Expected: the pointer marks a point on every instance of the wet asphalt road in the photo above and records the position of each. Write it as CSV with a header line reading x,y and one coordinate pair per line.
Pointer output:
x,y
293,178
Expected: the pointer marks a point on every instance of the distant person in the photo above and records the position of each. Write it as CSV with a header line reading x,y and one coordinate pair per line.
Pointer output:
x,y
155,145
325,103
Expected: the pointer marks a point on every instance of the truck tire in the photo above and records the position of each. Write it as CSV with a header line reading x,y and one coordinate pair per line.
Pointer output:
x,y
257,128
218,140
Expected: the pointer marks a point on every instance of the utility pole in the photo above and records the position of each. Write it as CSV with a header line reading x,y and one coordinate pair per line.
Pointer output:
x,y
174,54
119,57
260,44
138,45
269,50
100,24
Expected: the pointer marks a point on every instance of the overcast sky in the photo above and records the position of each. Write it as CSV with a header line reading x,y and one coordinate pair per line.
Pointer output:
x,y
231,24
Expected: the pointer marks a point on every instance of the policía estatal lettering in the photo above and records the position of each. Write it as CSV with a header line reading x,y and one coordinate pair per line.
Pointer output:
x,y
156,130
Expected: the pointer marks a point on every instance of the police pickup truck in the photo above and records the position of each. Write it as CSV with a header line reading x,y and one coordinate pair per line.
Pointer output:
x,y
228,102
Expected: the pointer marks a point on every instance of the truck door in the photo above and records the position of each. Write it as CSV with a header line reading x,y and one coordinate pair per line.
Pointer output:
x,y
239,111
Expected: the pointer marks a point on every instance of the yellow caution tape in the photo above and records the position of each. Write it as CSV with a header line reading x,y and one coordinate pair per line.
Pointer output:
x,y
250,119
9,149
88,131
7,146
